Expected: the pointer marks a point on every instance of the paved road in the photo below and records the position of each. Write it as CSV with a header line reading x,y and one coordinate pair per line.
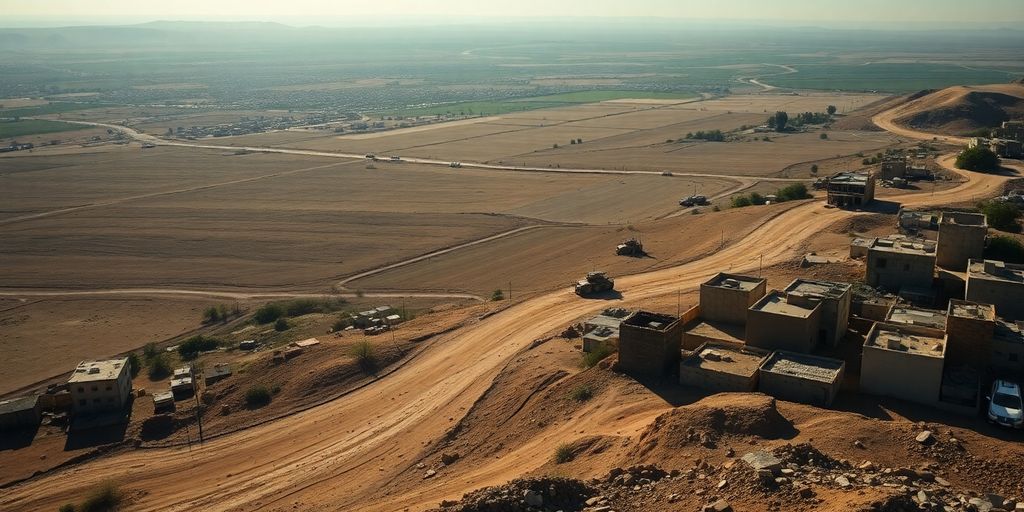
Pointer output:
x,y
338,455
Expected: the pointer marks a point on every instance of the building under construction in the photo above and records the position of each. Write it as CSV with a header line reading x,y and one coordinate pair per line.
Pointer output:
x,y
851,189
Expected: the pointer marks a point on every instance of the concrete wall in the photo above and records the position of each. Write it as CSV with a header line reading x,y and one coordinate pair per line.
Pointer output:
x,y
20,419
968,341
649,352
1006,296
714,380
893,270
782,332
958,243
835,315
902,375
100,396
1007,359
728,305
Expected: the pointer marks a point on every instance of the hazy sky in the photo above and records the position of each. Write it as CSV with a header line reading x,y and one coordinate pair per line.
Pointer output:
x,y
338,12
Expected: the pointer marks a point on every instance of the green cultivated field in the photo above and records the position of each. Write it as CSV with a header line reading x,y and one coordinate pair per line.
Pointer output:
x,y
538,102
887,77
20,128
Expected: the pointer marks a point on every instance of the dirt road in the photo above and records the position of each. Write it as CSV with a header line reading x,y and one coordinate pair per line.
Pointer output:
x,y
887,121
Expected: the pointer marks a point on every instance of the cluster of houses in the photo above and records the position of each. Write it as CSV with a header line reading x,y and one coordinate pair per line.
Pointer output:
x,y
1008,140
935,324
16,146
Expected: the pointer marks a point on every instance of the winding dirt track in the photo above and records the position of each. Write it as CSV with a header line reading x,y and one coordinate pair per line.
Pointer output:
x,y
339,455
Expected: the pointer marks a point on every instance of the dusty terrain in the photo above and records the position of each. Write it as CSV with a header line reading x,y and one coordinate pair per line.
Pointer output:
x,y
957,110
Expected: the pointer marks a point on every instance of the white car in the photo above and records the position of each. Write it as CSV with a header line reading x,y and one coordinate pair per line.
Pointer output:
x,y
1005,406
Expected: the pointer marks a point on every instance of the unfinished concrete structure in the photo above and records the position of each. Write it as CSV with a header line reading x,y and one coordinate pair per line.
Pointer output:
x,y
961,238
649,343
726,297
893,166
835,299
859,247
801,378
600,336
19,413
903,361
906,314
603,329
776,323
969,330
898,263
851,189
722,367
1007,350
100,386
997,283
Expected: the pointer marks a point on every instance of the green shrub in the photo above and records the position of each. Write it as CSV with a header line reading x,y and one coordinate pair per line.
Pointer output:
x,y
582,393
211,315
365,355
978,158
756,198
792,192
341,323
149,351
1000,215
597,354
134,364
563,453
107,497
257,396
1005,248
268,313
823,136
741,202
281,325
498,295
190,348
159,367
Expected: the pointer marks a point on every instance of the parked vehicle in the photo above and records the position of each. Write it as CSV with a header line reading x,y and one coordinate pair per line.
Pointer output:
x,y
694,201
1005,407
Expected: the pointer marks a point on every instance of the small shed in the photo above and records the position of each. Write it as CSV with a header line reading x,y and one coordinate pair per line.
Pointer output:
x,y
18,413
600,336
247,345
802,378
183,386
218,373
163,402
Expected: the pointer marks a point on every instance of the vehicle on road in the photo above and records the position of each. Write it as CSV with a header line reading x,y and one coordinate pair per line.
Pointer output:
x,y
371,156
694,200
595,282
631,247
455,165
396,159
1005,407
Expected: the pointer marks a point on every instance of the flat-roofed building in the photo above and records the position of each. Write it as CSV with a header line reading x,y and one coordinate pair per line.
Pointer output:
x,y
775,323
722,367
1007,354
19,413
893,166
997,283
100,386
851,189
727,297
961,238
835,299
903,361
801,377
906,314
649,343
898,263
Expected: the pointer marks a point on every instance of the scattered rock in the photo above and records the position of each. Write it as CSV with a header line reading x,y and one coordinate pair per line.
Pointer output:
x,y
429,474
843,482
719,506
859,444
925,437
533,498
763,460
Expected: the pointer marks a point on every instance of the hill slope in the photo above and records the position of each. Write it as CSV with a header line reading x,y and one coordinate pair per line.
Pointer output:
x,y
961,109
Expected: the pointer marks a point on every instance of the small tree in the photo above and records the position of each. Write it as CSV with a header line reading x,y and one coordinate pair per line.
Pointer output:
x,y
149,351
134,364
831,109
159,367
740,202
498,295
579,141
1000,215
211,315
554,146
978,158
1005,248
823,136
281,325
814,168
781,118
257,396
365,356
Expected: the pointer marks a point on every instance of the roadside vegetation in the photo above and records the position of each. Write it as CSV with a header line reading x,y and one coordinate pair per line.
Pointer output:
x,y
258,396
271,312
10,129
1001,215
563,453
597,354
221,313
582,393
792,192
192,347
978,158
365,355
108,497
1005,248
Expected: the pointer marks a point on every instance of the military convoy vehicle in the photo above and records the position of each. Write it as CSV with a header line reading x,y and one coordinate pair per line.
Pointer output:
x,y
596,282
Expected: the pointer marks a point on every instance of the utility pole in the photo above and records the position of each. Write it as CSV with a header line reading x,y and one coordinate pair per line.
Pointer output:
x,y
510,291
195,393
679,303
760,265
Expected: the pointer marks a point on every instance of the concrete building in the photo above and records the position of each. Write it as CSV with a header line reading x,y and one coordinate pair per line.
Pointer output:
x,y
649,343
722,367
859,247
997,283
216,374
895,264
1012,130
851,189
969,330
906,314
903,361
19,413
727,297
603,328
913,221
163,402
599,337
1007,353
776,323
893,166
1006,148
801,378
835,299
100,386
961,238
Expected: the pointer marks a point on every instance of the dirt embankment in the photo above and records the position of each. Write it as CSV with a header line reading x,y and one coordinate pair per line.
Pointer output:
x,y
954,111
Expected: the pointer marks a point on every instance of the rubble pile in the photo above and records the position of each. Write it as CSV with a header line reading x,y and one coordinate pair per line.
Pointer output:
x,y
525,494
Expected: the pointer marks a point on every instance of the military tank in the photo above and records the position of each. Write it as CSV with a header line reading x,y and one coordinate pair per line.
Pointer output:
x,y
596,282
631,247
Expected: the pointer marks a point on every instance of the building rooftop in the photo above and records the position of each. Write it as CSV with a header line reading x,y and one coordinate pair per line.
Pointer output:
x,y
803,366
727,358
904,246
901,339
719,331
92,371
997,270
734,282
23,403
965,309
850,178
812,288
1009,331
963,219
910,315
776,302
648,320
